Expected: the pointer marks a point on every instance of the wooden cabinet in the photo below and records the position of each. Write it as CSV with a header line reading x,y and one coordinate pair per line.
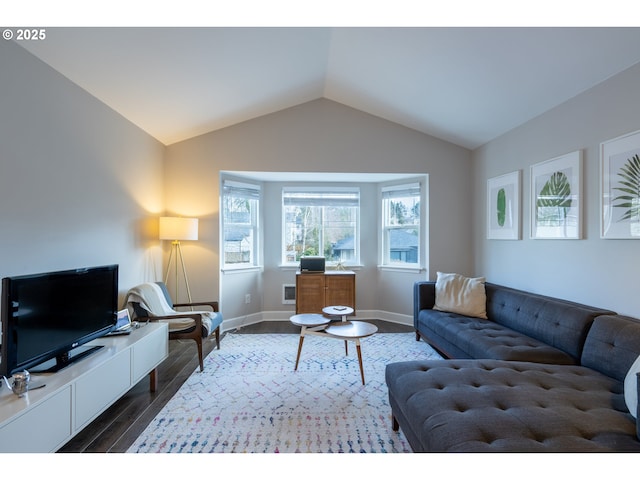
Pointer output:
x,y
314,291
45,419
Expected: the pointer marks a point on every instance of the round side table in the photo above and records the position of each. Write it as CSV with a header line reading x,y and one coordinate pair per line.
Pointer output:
x,y
338,311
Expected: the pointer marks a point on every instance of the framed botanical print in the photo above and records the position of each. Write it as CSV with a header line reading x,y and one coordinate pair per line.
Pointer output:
x,y
503,207
556,197
620,187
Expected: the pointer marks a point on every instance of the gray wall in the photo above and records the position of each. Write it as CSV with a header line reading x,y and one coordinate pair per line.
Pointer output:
x,y
79,184
318,136
592,270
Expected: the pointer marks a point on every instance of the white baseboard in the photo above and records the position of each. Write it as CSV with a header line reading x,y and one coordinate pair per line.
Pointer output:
x,y
283,316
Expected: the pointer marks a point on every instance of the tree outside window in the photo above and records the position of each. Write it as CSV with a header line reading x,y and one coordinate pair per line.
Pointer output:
x,y
320,222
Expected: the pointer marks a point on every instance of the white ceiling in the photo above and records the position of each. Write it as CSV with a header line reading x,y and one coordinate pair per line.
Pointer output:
x,y
464,85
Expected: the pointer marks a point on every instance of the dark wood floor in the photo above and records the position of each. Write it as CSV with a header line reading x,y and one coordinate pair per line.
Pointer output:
x,y
117,428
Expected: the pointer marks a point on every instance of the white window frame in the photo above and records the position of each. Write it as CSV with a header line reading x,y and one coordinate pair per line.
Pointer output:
x,y
252,192
320,190
397,191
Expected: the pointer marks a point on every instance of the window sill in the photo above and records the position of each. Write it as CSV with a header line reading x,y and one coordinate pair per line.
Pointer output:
x,y
404,269
235,270
328,268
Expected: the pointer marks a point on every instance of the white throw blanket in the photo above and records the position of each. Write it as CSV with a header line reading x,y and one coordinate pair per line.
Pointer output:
x,y
151,297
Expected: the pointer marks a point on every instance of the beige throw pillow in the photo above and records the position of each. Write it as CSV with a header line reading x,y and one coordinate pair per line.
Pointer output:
x,y
459,294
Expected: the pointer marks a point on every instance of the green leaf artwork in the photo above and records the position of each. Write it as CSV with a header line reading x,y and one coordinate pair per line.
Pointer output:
x,y
554,200
502,206
629,178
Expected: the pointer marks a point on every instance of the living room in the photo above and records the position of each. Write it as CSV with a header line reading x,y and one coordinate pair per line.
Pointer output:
x,y
82,185
74,195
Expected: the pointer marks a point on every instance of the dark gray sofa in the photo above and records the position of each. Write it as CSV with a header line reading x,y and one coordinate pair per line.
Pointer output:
x,y
505,404
520,326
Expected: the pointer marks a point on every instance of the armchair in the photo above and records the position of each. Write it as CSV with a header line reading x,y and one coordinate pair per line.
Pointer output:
x,y
152,302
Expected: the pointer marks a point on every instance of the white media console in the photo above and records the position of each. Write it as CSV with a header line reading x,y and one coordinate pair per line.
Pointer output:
x,y
44,419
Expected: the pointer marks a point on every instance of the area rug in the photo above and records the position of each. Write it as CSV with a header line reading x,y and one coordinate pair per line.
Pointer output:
x,y
249,399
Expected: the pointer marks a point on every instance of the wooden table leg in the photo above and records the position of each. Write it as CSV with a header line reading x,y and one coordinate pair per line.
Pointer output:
x,y
360,359
346,343
299,349
153,380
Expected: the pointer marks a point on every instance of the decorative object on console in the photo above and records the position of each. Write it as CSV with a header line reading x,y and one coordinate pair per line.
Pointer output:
x,y
503,207
177,229
20,383
459,294
620,177
556,197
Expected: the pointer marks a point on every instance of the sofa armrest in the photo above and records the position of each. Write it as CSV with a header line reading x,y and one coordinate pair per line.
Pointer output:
x,y
638,409
424,297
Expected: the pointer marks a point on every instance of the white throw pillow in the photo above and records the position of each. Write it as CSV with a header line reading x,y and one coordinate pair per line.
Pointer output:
x,y
631,388
459,294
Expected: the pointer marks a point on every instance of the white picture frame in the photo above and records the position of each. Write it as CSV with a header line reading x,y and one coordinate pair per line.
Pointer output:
x,y
503,207
556,198
620,187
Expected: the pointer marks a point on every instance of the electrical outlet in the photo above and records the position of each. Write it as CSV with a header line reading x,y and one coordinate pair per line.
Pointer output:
x,y
247,298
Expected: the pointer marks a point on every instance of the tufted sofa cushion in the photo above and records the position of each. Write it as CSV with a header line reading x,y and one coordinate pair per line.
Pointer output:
x,y
559,323
470,337
613,344
500,406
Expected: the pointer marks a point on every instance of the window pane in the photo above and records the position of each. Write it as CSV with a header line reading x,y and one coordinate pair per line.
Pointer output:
x,y
401,229
403,245
238,244
403,211
240,213
320,223
339,233
301,232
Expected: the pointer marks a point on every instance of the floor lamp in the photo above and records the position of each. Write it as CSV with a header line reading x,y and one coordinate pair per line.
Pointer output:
x,y
177,229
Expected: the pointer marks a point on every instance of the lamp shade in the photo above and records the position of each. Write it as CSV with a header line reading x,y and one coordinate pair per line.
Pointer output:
x,y
178,228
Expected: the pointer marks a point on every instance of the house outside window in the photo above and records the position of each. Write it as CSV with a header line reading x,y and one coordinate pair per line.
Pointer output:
x,y
321,222
401,225
240,213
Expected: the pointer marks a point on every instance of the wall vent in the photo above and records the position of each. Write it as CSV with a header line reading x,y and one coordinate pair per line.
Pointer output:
x,y
288,294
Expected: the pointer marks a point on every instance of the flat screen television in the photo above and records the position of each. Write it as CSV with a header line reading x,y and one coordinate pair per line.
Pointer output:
x,y
48,317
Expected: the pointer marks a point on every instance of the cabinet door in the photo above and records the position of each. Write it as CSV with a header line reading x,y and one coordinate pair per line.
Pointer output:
x,y
103,386
309,293
148,353
340,290
42,428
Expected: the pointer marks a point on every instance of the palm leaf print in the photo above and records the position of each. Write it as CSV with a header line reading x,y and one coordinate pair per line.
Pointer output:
x,y
629,198
554,200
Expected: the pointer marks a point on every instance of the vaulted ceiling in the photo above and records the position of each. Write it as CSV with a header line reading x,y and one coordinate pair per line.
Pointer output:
x,y
463,85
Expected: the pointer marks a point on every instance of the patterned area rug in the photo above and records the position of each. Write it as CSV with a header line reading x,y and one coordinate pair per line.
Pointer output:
x,y
250,399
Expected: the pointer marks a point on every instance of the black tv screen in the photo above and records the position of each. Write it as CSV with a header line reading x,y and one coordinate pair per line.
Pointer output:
x,y
48,315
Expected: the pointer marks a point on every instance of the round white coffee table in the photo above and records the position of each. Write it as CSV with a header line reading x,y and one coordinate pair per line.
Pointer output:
x,y
316,324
